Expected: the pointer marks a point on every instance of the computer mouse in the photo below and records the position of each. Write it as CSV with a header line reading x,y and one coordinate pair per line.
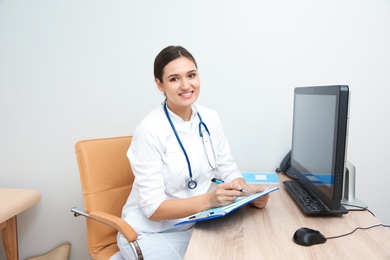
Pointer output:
x,y
308,237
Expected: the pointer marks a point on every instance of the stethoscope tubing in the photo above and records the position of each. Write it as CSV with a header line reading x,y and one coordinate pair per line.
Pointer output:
x,y
191,182
178,139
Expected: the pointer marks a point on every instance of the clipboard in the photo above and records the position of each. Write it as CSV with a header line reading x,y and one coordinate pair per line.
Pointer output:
x,y
224,210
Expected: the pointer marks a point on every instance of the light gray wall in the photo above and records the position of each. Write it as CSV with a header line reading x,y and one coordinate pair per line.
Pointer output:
x,y
72,70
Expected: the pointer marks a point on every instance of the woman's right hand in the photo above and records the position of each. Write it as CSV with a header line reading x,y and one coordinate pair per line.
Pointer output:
x,y
225,194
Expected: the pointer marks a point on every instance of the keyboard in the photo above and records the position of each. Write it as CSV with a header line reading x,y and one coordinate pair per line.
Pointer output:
x,y
308,202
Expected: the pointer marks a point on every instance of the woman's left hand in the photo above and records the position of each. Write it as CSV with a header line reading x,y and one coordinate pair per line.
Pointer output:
x,y
262,201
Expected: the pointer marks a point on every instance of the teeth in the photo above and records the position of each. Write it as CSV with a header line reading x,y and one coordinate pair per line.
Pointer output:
x,y
186,94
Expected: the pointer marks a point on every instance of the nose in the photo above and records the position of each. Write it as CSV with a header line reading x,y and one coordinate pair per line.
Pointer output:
x,y
185,84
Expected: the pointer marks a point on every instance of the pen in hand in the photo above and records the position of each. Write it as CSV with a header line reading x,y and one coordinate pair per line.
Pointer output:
x,y
218,181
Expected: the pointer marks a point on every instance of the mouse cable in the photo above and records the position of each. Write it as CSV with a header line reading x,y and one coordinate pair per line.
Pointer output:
x,y
359,207
363,228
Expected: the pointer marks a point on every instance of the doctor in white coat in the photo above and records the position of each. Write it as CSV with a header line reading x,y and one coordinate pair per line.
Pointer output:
x,y
175,152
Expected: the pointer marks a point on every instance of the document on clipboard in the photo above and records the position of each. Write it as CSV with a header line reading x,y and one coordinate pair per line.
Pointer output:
x,y
224,210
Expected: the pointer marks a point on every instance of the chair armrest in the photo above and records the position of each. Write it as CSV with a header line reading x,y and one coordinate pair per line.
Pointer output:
x,y
113,221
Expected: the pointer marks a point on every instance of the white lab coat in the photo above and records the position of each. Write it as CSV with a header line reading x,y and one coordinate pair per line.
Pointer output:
x,y
161,170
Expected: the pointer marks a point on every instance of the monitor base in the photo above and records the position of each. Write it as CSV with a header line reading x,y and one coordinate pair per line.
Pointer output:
x,y
349,200
355,204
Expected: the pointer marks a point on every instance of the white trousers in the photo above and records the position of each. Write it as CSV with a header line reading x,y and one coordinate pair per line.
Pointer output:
x,y
172,245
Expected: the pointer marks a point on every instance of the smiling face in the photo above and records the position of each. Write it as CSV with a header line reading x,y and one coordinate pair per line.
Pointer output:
x,y
181,85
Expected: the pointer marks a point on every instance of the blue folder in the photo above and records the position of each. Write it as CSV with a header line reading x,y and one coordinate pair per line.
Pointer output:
x,y
260,177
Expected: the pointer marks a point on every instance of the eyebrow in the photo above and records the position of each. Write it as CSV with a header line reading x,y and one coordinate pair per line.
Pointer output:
x,y
176,74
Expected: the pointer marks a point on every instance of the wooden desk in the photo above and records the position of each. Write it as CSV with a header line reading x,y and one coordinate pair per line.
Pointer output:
x,y
251,233
13,202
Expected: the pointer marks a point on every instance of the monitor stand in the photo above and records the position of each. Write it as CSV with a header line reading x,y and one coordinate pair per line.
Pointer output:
x,y
349,200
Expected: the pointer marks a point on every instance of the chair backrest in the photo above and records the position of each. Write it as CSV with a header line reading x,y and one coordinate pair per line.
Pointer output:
x,y
106,180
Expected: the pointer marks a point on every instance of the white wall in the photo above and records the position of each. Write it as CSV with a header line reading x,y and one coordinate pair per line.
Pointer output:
x,y
72,70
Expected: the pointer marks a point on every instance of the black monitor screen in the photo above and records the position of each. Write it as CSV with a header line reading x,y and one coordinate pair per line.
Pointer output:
x,y
320,122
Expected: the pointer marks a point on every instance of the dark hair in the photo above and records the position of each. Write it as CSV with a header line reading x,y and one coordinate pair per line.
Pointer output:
x,y
167,55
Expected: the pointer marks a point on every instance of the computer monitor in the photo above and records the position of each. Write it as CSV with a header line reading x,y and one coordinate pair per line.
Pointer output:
x,y
319,141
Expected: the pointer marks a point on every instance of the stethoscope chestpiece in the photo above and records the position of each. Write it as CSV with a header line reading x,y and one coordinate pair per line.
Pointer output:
x,y
191,183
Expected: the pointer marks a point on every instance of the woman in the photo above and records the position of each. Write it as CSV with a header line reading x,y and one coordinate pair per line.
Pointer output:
x,y
173,167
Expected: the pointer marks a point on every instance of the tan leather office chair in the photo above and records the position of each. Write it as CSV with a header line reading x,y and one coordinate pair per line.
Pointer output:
x,y
106,181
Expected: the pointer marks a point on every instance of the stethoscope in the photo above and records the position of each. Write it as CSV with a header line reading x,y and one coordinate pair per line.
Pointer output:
x,y
191,182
